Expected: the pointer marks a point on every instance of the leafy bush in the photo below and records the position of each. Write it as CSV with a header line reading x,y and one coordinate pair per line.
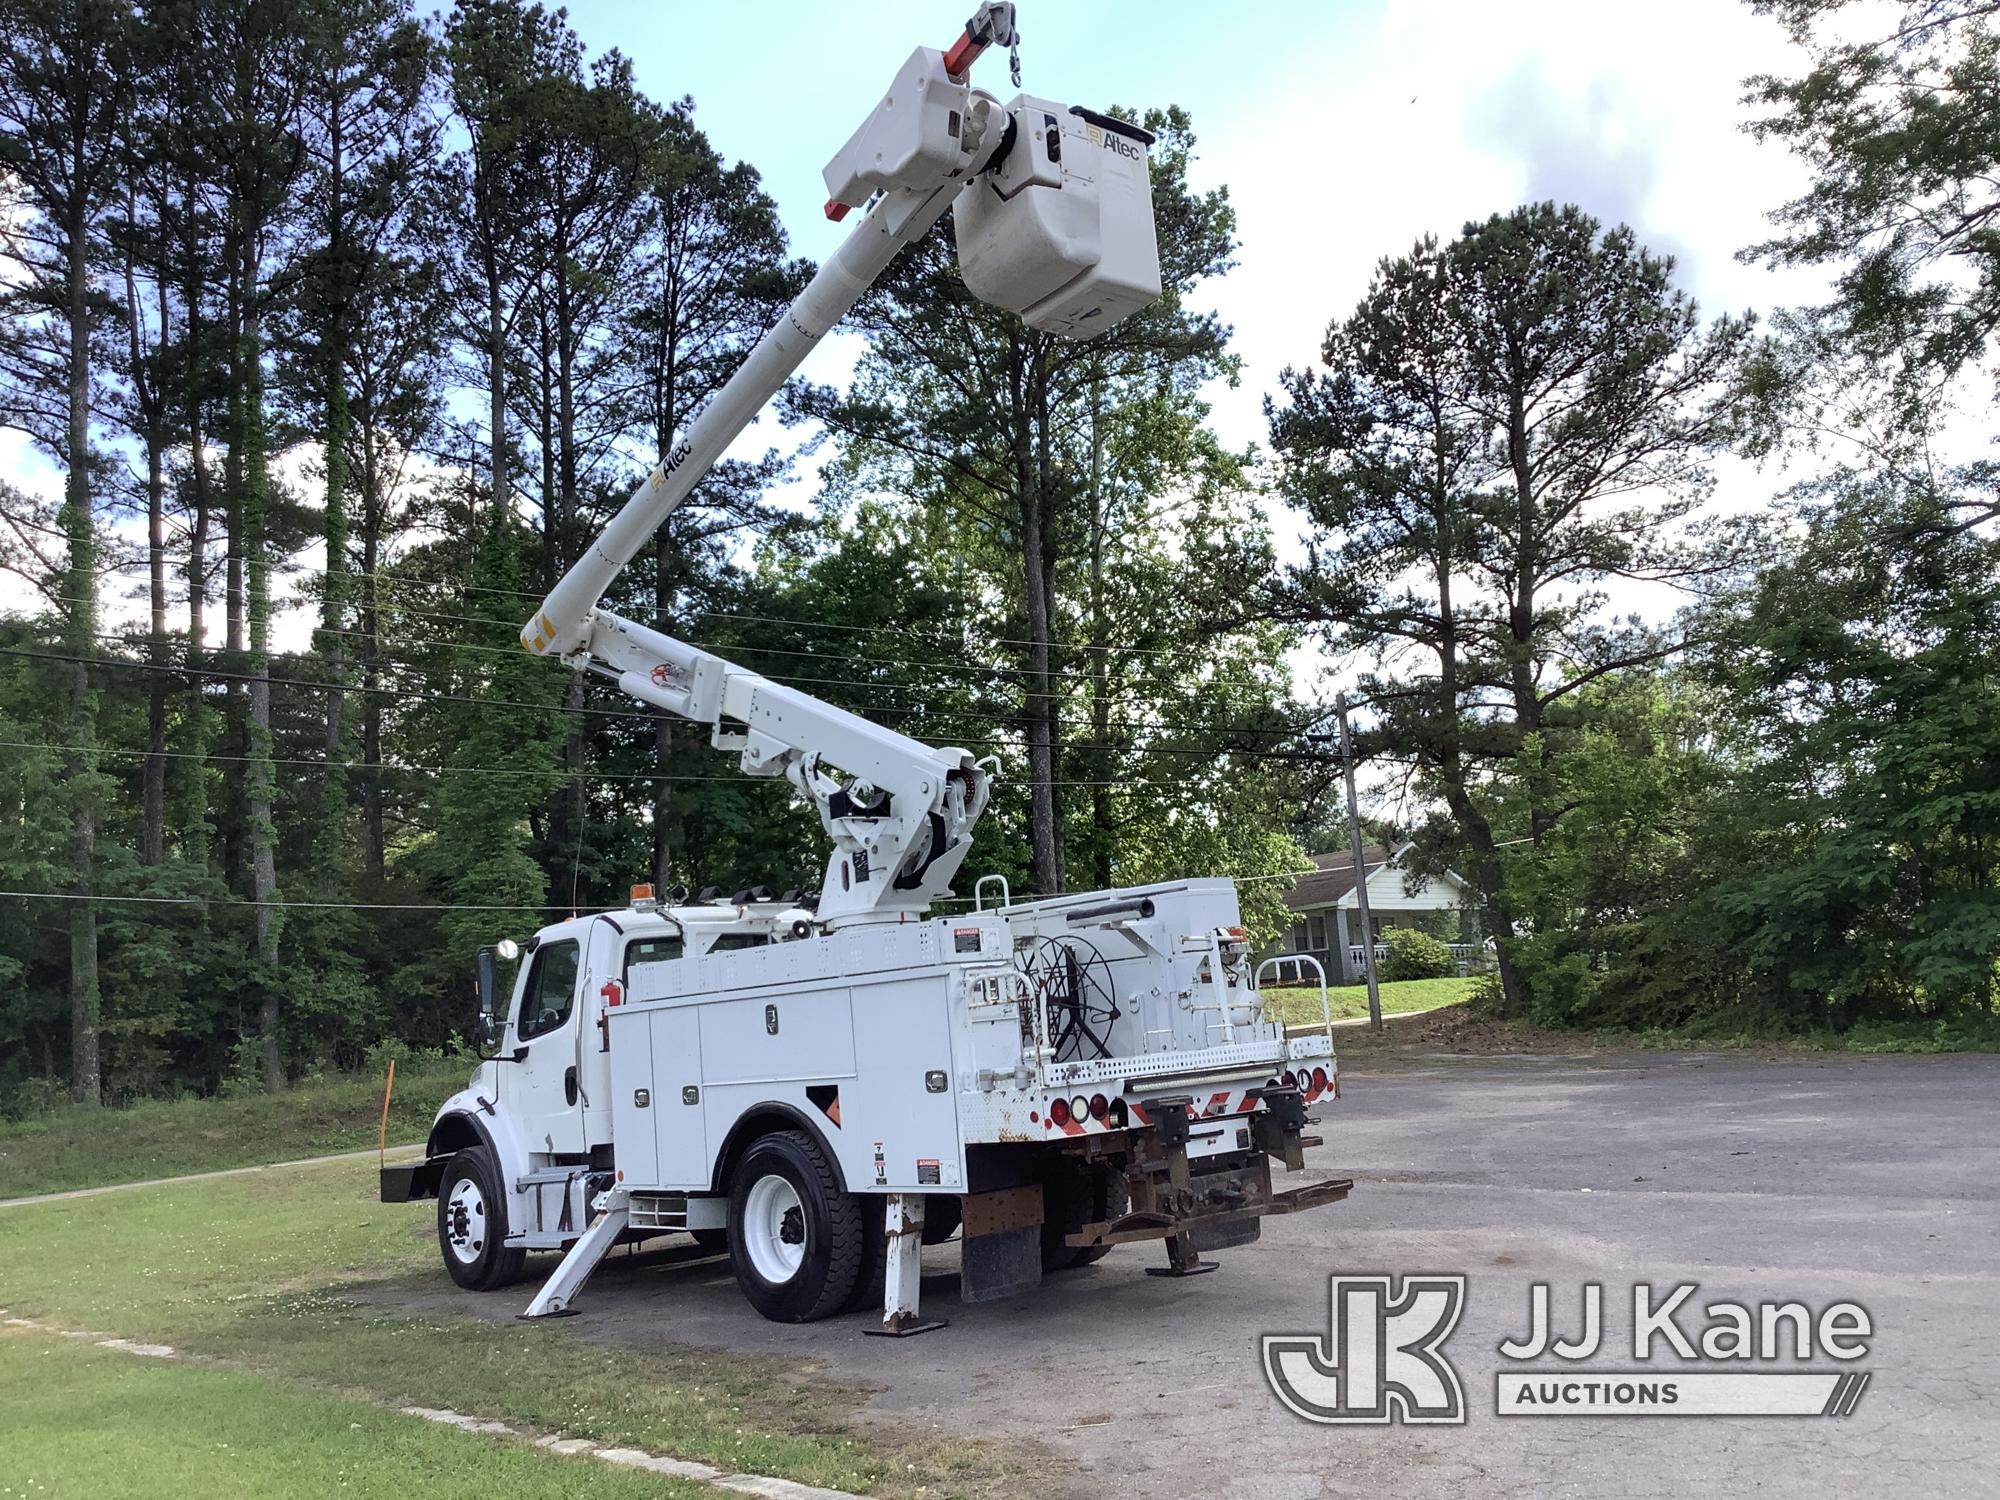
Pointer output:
x,y
1416,955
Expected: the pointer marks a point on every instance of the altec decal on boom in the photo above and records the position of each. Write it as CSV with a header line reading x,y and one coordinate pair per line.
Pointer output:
x,y
826,1082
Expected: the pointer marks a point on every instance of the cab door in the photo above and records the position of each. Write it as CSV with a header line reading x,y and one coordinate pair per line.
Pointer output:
x,y
541,1091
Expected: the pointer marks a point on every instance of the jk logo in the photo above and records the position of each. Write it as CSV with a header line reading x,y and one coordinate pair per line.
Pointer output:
x,y
1380,1360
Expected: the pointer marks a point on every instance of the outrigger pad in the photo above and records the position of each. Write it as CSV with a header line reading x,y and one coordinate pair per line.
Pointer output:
x,y
1199,1268
908,1330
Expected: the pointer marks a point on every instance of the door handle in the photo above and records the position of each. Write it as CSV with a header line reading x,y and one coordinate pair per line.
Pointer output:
x,y
569,1083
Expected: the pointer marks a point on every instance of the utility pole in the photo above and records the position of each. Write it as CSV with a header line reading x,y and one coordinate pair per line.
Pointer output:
x,y
1360,869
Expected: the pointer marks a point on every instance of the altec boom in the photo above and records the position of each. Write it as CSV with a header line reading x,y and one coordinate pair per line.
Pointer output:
x,y
826,1082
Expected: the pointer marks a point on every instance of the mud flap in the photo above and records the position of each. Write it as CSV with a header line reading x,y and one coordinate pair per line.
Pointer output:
x,y
1000,1254
993,1266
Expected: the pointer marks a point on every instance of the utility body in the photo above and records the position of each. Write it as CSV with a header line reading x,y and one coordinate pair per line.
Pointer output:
x,y
826,1081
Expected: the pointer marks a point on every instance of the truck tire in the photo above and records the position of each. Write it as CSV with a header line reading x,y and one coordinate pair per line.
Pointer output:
x,y
942,1214
868,1280
796,1240
1076,1193
1112,1200
472,1224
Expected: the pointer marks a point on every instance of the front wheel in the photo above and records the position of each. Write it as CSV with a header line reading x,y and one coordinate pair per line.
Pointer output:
x,y
472,1224
796,1238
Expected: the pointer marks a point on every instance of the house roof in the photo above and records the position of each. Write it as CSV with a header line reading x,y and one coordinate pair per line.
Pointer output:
x,y
1333,877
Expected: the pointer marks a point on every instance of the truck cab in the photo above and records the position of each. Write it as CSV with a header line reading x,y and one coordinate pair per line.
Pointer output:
x,y
513,1155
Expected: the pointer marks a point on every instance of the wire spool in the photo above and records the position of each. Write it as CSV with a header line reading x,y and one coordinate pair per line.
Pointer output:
x,y
1071,980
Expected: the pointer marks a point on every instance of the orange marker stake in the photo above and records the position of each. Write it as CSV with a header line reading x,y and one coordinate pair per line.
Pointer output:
x,y
382,1136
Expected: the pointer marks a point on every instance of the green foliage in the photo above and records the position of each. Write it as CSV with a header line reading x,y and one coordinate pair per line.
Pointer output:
x,y
1895,116
1464,462
1415,955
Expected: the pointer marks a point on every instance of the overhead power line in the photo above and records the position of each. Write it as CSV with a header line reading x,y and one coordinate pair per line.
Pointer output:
x,y
398,580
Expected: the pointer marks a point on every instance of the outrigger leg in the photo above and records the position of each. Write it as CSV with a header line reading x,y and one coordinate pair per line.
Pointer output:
x,y
903,1235
562,1288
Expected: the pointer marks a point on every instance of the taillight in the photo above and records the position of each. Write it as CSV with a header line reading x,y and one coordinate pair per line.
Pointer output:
x,y
1291,1079
1099,1106
1319,1080
1079,1107
1059,1112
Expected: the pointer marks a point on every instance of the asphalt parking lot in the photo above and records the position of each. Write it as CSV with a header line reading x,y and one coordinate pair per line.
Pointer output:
x,y
1815,1179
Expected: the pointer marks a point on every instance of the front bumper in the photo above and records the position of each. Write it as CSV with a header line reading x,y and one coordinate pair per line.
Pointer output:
x,y
409,1181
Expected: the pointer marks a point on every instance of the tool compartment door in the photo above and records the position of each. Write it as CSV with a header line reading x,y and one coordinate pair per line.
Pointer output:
x,y
635,1103
658,1136
677,1122
902,1044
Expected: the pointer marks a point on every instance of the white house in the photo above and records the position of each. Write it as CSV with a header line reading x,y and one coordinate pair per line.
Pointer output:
x,y
1326,921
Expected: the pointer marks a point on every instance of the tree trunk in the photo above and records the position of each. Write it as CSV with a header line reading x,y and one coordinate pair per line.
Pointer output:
x,y
1103,833
253,504
663,724
373,521
330,834
496,379
1044,839
146,397
80,622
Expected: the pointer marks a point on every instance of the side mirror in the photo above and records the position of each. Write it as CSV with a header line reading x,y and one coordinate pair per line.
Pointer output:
x,y
487,1026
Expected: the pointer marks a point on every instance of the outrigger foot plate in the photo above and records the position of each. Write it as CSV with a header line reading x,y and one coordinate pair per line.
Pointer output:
x,y
906,1330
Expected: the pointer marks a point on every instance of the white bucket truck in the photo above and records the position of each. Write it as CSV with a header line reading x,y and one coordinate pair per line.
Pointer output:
x,y
825,1082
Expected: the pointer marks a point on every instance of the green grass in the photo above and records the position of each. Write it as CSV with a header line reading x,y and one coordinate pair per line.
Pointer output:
x,y
273,1275
86,1421
75,1148
1301,1007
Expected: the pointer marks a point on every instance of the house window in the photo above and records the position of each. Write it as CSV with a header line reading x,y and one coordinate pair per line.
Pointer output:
x,y
1298,937
1317,928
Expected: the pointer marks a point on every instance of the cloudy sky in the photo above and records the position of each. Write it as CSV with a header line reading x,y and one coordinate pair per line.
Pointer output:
x,y
1343,131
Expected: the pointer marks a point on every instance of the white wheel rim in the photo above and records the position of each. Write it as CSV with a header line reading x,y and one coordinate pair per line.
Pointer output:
x,y
465,1222
774,1229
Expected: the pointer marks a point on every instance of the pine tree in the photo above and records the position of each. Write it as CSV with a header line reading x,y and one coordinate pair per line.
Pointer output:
x,y
65,87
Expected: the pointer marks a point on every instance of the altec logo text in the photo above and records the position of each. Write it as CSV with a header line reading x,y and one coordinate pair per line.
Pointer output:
x,y
1382,1358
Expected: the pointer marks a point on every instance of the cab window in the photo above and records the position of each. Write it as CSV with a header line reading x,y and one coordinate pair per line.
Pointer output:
x,y
551,991
729,942
650,950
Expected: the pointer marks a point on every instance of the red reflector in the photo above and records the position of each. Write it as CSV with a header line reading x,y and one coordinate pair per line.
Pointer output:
x,y
1291,1079
1319,1078
836,210
1059,1112
1099,1106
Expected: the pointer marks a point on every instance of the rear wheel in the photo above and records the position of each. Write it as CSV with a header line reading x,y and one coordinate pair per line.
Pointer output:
x,y
942,1212
796,1238
472,1224
1076,1193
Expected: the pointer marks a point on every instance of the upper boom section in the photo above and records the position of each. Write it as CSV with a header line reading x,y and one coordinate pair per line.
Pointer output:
x,y
1055,223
